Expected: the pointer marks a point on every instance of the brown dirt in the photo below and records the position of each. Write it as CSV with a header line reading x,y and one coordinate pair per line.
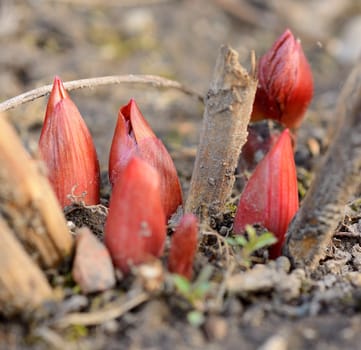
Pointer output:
x,y
180,40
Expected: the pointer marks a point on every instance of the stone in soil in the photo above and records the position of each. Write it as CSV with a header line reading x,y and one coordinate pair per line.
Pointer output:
x,y
92,269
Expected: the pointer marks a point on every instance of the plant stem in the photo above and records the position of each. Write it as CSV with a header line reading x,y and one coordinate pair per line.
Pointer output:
x,y
339,176
152,80
224,131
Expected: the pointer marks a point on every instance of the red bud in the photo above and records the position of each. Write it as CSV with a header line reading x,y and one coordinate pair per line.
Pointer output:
x,y
135,229
133,136
261,137
270,197
67,149
184,246
285,83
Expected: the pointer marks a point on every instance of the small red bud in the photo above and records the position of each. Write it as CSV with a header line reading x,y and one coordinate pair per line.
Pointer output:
x,y
285,83
261,137
133,136
67,149
184,246
270,197
135,229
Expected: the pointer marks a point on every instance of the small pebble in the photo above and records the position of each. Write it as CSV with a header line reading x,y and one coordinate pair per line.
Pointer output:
x,y
92,269
234,306
355,278
283,264
110,327
276,342
216,328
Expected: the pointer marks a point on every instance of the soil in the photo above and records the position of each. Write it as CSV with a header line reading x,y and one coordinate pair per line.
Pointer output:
x,y
268,306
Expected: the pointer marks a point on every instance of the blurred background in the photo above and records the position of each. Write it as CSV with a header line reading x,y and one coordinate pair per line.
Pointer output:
x,y
176,39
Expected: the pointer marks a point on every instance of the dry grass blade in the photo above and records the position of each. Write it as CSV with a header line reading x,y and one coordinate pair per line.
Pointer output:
x,y
53,339
153,80
29,204
110,312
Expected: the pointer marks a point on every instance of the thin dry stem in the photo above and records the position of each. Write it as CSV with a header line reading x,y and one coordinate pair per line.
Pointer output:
x,y
153,80
224,131
54,340
230,266
110,312
337,179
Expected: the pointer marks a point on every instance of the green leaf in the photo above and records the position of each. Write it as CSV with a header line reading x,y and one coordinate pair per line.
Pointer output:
x,y
182,284
264,240
201,285
205,274
237,240
201,289
251,232
195,318
241,240
231,241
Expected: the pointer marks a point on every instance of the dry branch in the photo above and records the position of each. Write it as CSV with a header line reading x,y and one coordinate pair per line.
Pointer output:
x,y
224,131
28,203
110,312
23,286
152,80
339,176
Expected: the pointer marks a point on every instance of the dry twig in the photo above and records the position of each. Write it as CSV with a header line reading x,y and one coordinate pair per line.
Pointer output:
x,y
339,176
152,80
110,312
224,131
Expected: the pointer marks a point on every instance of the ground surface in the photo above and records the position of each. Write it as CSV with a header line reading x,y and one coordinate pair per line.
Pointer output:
x,y
180,40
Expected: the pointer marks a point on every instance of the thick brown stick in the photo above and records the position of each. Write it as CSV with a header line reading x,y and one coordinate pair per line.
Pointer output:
x,y
23,286
339,176
152,80
28,203
224,131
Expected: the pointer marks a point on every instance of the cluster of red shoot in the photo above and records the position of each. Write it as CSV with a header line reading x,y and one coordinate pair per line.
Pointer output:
x,y
145,187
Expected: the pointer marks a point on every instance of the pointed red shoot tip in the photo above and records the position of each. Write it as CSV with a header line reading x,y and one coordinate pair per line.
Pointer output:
x,y
184,246
58,83
288,32
138,124
57,94
270,197
67,148
58,91
133,136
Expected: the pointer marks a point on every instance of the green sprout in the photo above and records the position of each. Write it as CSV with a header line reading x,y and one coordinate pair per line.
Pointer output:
x,y
195,318
195,293
197,290
252,243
